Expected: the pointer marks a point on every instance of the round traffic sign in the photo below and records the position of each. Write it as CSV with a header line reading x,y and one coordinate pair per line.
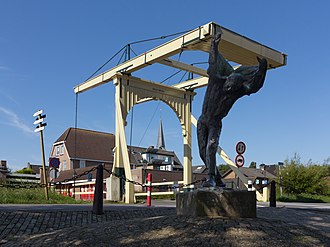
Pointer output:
x,y
240,147
54,162
239,160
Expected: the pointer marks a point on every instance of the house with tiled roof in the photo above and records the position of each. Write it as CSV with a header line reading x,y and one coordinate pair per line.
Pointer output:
x,y
154,158
35,168
259,177
79,150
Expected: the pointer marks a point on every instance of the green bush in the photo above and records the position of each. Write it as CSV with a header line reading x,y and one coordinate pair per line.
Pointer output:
x,y
223,168
298,178
25,171
304,198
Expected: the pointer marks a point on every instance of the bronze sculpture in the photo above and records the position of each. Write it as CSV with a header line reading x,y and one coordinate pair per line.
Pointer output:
x,y
225,86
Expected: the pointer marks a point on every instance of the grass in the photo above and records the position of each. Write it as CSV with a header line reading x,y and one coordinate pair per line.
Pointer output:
x,y
304,198
37,196
33,196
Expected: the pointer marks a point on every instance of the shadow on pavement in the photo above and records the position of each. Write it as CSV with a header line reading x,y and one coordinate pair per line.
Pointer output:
x,y
273,227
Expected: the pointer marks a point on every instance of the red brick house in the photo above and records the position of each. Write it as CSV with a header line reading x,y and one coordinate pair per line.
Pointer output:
x,y
79,150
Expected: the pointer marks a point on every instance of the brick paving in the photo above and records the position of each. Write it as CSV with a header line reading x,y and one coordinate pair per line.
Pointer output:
x,y
157,226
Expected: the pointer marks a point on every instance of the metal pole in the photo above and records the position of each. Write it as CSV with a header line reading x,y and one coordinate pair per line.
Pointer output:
x,y
43,163
279,168
129,51
272,199
250,185
281,185
98,193
149,180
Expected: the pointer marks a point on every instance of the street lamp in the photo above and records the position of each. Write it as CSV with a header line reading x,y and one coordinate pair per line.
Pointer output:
x,y
40,127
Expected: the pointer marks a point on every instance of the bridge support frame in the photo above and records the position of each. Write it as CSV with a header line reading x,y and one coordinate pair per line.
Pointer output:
x,y
131,91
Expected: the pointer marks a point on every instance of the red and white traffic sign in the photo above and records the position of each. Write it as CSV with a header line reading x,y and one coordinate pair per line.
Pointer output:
x,y
239,160
54,162
240,147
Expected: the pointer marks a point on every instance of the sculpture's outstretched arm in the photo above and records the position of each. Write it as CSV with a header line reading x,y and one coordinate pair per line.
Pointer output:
x,y
218,65
213,57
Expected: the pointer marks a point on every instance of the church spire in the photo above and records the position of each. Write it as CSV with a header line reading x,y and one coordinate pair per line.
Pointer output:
x,y
160,139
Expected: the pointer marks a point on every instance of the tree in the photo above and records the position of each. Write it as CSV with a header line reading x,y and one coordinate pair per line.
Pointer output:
x,y
25,171
298,178
253,164
223,168
316,175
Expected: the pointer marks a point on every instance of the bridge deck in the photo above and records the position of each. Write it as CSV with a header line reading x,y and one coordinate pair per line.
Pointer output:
x,y
233,46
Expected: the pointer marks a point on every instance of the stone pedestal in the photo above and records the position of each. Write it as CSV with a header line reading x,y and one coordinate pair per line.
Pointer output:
x,y
214,202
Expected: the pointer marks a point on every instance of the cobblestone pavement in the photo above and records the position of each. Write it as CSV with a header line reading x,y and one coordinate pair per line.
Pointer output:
x,y
159,226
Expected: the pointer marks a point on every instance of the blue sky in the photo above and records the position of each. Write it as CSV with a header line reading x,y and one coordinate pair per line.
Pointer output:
x,y
48,47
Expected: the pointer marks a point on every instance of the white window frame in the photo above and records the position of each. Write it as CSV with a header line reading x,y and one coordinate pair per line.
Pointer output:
x,y
82,163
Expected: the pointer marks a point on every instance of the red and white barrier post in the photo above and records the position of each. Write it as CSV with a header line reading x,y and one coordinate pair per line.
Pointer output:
x,y
149,179
250,185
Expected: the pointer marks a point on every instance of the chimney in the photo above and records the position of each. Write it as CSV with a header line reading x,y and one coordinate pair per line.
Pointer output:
x,y
262,167
3,164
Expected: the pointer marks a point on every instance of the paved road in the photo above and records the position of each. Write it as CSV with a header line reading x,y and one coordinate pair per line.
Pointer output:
x,y
298,205
156,203
64,207
295,205
123,225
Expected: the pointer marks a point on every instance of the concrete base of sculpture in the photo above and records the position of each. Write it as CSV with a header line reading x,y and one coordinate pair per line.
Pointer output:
x,y
215,202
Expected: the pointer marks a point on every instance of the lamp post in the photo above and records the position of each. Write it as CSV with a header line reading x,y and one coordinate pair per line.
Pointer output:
x,y
40,127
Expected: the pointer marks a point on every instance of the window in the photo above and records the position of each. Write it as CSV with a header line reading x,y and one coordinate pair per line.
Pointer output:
x,y
57,150
64,165
82,164
62,149
257,181
168,168
52,173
